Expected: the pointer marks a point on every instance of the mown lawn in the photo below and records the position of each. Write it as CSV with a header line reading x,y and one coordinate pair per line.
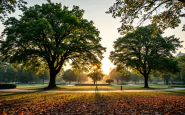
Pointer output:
x,y
111,87
123,103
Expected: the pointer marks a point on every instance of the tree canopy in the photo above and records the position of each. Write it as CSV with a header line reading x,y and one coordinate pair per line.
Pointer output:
x,y
69,76
96,75
163,13
51,35
9,6
109,81
144,51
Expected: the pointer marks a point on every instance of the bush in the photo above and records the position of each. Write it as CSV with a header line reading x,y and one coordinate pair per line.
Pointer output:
x,y
7,86
109,81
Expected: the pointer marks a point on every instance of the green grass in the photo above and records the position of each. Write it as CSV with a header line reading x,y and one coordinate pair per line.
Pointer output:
x,y
112,87
31,86
140,86
177,92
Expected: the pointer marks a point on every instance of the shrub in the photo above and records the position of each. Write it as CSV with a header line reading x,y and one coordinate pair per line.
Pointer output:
x,y
109,81
7,86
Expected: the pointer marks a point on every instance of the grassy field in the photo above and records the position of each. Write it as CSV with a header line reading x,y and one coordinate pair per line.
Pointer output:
x,y
111,87
123,103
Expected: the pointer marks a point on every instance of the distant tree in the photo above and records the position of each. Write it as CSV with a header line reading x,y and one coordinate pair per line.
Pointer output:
x,y
163,13
9,74
114,74
155,76
43,76
109,81
167,67
69,76
82,77
96,75
135,78
144,51
25,76
51,35
9,6
125,76
181,64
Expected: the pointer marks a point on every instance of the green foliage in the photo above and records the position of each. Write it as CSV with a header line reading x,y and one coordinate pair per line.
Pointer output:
x,y
96,75
181,63
49,36
109,81
135,78
114,74
144,51
9,6
163,13
125,76
69,76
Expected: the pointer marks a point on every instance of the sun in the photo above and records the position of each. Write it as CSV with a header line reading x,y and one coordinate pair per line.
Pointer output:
x,y
105,70
106,65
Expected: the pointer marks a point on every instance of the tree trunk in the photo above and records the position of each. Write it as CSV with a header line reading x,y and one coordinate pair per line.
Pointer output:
x,y
146,81
94,82
52,82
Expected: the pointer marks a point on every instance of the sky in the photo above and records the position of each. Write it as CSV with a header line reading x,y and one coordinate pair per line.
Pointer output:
x,y
105,23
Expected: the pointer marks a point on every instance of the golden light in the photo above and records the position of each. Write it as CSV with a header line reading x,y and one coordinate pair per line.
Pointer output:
x,y
106,66
105,69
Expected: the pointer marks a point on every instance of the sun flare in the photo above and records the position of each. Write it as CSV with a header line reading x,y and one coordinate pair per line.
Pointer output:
x,y
105,70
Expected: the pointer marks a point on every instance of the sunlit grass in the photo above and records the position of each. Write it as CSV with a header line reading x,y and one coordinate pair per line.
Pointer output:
x,y
73,87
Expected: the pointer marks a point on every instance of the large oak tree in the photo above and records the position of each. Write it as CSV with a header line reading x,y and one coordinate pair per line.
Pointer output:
x,y
49,36
142,50
164,13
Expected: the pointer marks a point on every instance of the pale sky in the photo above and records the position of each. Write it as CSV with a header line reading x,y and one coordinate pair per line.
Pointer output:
x,y
95,11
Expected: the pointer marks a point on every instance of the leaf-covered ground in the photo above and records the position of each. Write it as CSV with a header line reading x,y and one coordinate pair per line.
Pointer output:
x,y
42,103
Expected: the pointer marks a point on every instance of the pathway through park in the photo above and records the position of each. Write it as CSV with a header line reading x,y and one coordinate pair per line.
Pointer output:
x,y
89,91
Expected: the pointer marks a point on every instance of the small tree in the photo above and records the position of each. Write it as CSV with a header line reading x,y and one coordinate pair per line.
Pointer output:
x,y
109,81
96,75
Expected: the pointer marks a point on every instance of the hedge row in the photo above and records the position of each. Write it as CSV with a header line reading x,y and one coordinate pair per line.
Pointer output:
x,y
7,86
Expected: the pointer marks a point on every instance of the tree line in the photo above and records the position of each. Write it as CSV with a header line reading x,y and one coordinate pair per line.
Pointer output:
x,y
38,41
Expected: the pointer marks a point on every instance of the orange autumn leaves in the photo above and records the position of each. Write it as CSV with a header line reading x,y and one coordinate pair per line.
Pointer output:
x,y
92,103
